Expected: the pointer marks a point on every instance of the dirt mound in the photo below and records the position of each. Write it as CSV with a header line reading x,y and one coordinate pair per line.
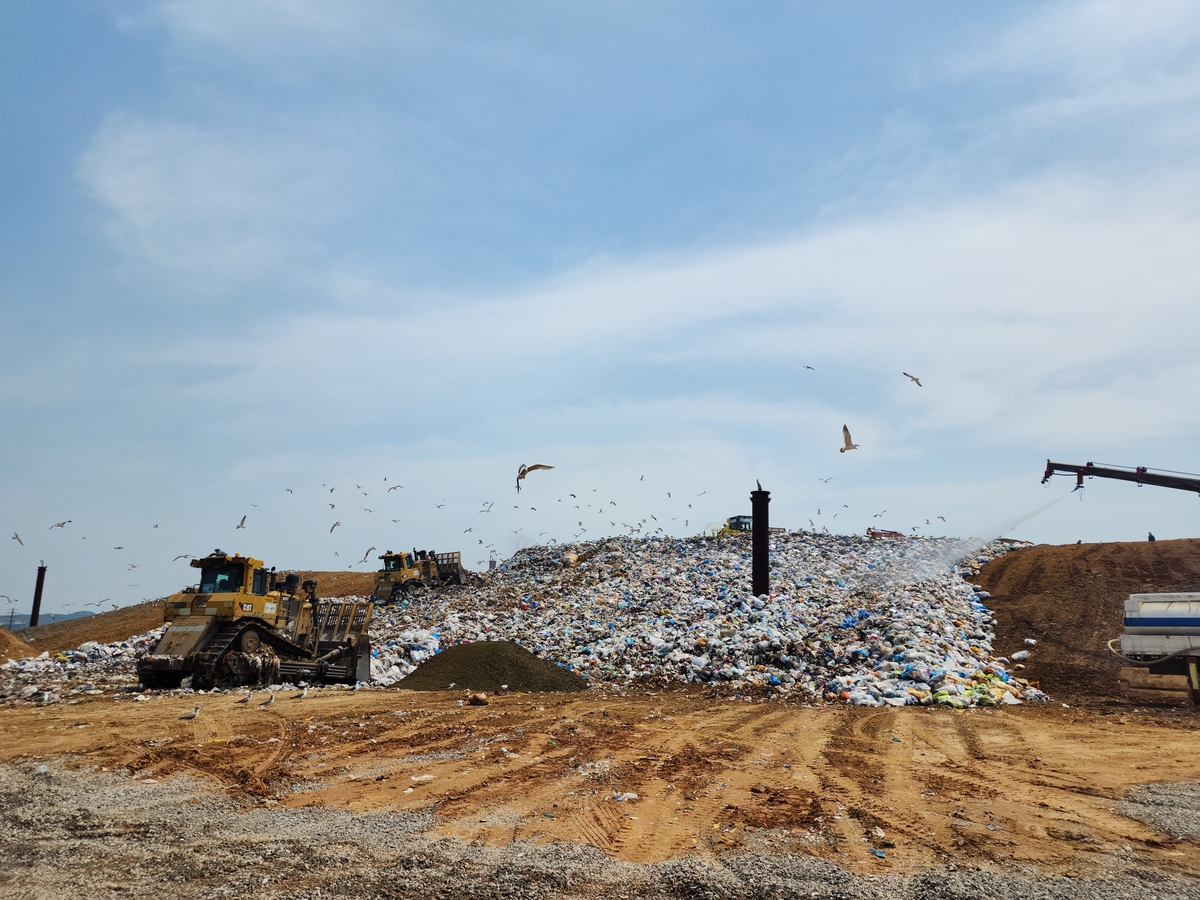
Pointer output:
x,y
486,665
341,584
105,627
1072,600
12,648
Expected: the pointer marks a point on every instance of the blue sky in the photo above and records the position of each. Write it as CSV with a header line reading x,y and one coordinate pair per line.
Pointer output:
x,y
246,247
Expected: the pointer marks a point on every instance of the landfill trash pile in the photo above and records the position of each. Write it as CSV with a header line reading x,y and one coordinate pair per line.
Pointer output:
x,y
872,622
90,670
491,666
869,621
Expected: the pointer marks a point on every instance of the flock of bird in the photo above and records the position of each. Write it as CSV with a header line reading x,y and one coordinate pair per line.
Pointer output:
x,y
606,510
247,697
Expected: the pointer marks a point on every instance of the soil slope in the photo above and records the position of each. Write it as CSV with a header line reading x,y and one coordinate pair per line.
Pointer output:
x,y
1072,600
12,648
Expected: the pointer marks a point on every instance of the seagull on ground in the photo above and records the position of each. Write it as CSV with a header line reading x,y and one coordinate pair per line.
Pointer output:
x,y
268,701
849,444
195,712
524,470
246,699
301,695
912,378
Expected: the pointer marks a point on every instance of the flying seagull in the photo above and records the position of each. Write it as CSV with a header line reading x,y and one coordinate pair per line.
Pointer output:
x,y
289,490
826,480
850,445
943,518
241,524
393,487
332,506
59,525
913,378
195,712
365,555
16,537
333,526
524,470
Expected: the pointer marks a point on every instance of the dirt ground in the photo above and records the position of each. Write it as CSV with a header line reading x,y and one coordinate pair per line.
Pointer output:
x,y
649,778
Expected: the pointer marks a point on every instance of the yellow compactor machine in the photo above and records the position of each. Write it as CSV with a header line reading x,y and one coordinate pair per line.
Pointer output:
x,y
241,625
403,573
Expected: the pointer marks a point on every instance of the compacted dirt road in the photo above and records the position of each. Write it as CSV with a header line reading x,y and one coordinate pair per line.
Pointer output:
x,y
652,777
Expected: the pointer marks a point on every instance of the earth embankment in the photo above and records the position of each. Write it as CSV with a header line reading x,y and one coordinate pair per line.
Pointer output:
x,y
1071,599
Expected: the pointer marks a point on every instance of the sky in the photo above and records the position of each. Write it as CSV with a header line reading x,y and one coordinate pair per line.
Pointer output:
x,y
270,259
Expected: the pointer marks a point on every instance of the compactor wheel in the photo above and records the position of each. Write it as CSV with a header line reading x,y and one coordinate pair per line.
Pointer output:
x,y
249,641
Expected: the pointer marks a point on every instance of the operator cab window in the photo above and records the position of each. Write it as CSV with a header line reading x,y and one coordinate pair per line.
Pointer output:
x,y
260,581
217,580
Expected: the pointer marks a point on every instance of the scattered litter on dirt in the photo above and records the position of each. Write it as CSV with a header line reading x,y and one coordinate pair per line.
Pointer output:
x,y
489,665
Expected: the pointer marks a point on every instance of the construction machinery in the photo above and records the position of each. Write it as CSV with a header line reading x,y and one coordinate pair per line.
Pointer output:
x,y
241,625
1138,474
403,573
735,525
1162,631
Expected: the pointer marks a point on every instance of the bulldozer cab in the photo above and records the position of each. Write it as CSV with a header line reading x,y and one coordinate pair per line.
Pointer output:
x,y
740,523
224,574
397,562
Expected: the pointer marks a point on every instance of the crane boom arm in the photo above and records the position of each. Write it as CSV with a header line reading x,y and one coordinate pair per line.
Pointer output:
x,y
1139,475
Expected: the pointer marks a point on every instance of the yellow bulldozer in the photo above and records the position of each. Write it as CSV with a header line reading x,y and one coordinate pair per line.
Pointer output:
x,y
242,625
403,573
735,525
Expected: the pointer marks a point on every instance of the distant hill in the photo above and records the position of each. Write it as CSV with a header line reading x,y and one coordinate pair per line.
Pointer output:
x,y
14,620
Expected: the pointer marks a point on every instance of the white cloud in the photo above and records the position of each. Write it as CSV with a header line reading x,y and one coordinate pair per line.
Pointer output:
x,y
222,203
1095,58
